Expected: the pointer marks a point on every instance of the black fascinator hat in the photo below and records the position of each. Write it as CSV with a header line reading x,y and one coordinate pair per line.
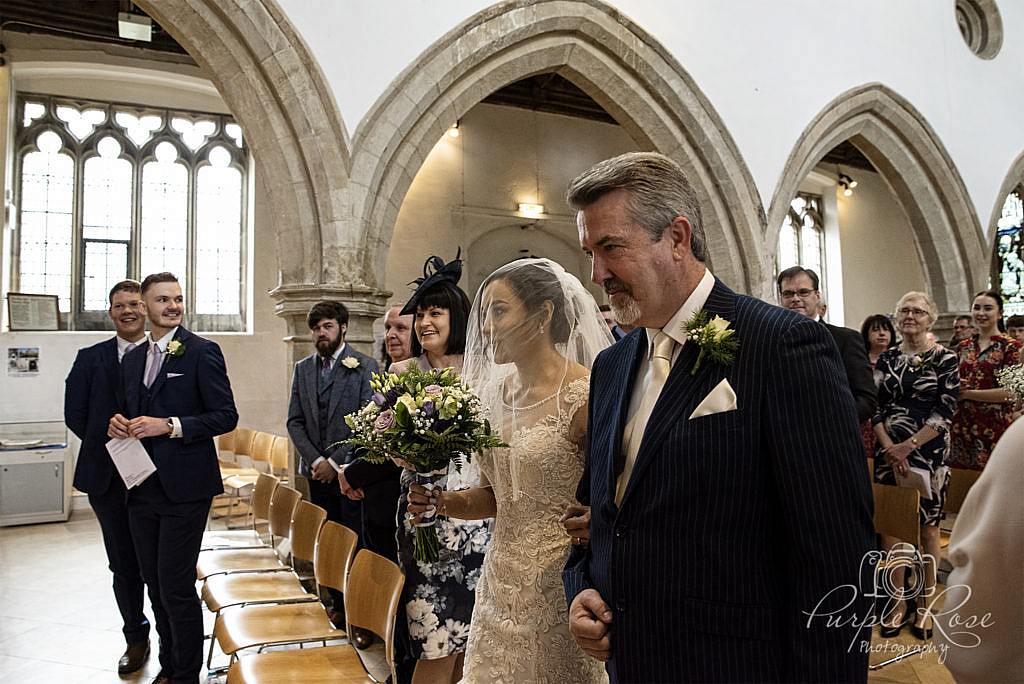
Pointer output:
x,y
435,271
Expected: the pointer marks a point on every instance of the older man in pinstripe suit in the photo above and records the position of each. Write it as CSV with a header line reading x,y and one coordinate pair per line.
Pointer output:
x,y
731,509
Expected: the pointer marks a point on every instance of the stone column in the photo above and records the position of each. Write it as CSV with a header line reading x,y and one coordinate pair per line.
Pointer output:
x,y
292,303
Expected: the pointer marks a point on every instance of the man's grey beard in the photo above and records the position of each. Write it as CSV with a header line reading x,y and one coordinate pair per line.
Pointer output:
x,y
627,313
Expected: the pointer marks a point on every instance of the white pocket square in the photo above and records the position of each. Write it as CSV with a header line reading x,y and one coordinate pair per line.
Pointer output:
x,y
174,375
719,400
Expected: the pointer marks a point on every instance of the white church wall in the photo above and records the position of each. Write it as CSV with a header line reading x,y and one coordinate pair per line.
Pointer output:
x,y
879,258
468,189
256,359
767,68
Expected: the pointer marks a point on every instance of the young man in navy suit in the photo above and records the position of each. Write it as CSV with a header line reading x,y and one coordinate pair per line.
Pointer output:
x,y
177,399
91,397
730,507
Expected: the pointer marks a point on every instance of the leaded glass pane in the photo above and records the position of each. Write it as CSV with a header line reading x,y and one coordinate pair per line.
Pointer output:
x,y
218,238
165,218
81,123
1010,255
139,128
33,111
789,246
47,184
105,264
107,204
234,131
802,236
193,133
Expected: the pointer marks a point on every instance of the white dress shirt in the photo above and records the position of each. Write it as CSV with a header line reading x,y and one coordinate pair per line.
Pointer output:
x,y
123,345
162,346
334,364
639,410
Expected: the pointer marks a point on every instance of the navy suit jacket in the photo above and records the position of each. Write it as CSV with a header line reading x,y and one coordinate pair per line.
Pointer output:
x,y
350,391
193,387
92,394
732,524
858,369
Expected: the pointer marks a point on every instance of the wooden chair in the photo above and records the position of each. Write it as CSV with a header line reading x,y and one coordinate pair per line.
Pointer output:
x,y
372,597
249,588
219,561
259,504
960,482
279,457
896,512
273,625
237,588
226,448
262,444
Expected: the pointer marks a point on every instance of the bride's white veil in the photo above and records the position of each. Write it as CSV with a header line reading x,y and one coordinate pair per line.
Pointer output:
x,y
548,307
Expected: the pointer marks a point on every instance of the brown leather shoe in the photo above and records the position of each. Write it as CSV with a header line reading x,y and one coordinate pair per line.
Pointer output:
x,y
360,638
134,657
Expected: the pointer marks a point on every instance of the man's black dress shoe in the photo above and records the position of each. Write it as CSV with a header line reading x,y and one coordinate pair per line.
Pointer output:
x,y
161,679
134,657
360,638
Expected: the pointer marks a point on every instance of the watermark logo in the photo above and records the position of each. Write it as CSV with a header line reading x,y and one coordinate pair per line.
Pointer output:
x,y
889,577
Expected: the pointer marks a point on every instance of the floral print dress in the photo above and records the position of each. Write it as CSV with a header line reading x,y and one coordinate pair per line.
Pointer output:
x,y
978,425
914,391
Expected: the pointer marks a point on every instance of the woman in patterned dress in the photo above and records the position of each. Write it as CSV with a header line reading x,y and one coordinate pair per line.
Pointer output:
x,y
438,597
534,333
918,387
878,335
986,409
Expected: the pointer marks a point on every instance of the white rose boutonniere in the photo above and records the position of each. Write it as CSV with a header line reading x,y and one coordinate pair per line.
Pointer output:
x,y
175,348
714,337
350,362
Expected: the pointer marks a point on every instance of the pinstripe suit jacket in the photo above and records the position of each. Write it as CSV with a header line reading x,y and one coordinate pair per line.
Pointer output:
x,y
733,525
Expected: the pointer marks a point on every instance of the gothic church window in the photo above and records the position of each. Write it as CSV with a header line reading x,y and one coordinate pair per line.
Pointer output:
x,y
1009,256
802,236
107,191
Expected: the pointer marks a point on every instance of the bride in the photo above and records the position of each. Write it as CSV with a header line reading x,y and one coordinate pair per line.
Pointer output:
x,y
534,333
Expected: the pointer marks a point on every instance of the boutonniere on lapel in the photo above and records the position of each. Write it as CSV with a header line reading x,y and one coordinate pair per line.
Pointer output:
x,y
924,361
175,348
713,336
350,362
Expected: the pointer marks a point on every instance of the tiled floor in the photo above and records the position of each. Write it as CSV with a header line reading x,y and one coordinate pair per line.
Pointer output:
x,y
59,624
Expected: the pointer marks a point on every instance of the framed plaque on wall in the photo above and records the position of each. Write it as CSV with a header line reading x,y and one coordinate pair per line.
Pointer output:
x,y
32,311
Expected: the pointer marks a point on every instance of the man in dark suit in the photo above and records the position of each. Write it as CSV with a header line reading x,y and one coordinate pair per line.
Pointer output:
x,y
92,394
326,386
730,506
798,291
177,399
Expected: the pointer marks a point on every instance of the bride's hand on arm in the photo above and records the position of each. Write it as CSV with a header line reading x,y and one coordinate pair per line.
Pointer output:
x,y
576,521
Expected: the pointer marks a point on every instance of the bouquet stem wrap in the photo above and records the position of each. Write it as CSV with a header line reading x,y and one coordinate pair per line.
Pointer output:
x,y
428,546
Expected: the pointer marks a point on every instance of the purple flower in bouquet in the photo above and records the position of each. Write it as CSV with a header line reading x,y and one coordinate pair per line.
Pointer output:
x,y
384,420
391,397
433,389
428,408
379,399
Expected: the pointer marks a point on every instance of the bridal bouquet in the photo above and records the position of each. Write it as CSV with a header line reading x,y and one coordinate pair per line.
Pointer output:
x,y
1012,379
425,421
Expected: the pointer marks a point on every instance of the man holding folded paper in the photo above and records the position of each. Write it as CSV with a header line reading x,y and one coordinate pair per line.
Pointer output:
x,y
177,398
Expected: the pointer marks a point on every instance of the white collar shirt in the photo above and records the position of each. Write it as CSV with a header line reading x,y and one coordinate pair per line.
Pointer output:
x,y
124,346
644,395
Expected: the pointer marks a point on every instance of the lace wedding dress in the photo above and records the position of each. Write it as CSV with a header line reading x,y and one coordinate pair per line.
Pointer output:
x,y
520,627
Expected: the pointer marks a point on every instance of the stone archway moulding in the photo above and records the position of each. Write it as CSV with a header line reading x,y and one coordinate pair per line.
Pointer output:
x,y
276,90
613,60
911,159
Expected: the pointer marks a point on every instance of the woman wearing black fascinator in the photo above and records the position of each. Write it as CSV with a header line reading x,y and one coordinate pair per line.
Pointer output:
x,y
438,597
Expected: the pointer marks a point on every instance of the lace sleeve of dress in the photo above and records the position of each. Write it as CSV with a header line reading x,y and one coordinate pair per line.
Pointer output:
x,y
575,395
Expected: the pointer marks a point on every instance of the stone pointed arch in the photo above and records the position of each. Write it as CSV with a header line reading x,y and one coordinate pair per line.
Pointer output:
x,y
617,63
276,91
911,159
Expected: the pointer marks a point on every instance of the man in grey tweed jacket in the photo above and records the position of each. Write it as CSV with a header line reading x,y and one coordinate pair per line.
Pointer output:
x,y
730,502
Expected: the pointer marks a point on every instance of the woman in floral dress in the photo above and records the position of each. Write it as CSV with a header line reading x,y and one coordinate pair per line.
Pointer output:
x,y
986,409
918,387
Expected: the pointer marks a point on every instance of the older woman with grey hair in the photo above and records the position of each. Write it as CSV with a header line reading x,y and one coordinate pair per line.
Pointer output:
x,y
918,385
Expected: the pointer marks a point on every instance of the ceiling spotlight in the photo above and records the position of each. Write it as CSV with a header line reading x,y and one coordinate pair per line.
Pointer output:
x,y
134,26
531,210
453,132
847,184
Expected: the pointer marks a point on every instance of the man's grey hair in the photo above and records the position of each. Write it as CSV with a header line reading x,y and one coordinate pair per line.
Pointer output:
x,y
658,193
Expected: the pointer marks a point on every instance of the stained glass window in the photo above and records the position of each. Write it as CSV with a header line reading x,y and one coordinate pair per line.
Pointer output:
x,y
1010,254
802,236
108,191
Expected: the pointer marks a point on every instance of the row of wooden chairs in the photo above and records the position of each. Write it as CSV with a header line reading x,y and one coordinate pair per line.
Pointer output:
x,y
244,454
257,591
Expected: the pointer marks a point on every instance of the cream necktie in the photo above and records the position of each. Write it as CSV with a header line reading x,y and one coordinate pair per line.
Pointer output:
x,y
661,365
